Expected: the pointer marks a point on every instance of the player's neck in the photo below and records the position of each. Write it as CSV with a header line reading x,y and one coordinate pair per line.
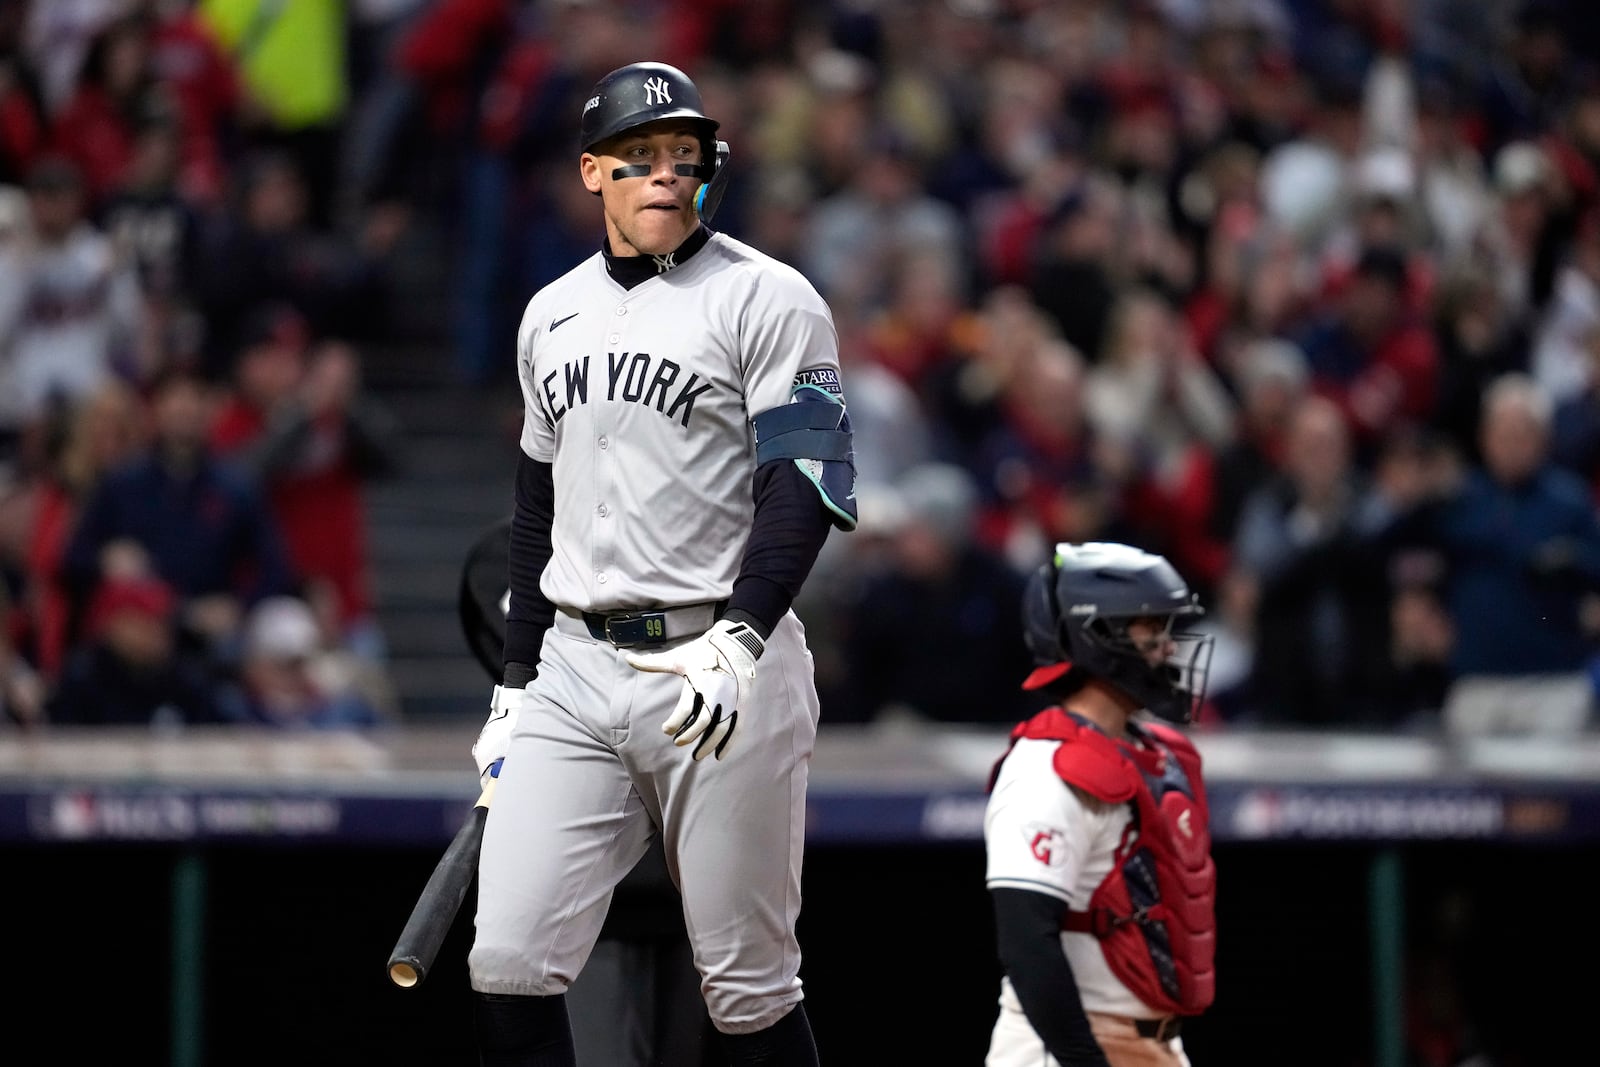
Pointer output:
x,y
631,270
1103,707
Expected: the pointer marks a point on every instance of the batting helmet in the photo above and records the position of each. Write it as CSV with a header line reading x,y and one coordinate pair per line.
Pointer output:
x,y
1075,615
649,92
636,94
482,594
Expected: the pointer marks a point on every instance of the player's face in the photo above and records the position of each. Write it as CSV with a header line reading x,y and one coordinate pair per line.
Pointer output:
x,y
1152,637
653,213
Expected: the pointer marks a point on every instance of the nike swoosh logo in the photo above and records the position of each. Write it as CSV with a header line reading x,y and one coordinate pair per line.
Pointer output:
x,y
557,322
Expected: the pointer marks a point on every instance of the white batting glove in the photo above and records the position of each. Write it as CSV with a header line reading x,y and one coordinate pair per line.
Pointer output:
x,y
495,737
718,669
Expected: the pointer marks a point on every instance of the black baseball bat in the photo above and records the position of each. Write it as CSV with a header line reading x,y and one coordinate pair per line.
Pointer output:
x,y
435,910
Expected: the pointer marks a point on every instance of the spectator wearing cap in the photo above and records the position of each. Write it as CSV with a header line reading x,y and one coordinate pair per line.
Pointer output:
x,y
70,309
179,512
1521,239
1370,354
290,678
130,670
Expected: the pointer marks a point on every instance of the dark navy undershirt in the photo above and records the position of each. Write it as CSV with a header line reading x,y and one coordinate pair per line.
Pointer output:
x,y
629,271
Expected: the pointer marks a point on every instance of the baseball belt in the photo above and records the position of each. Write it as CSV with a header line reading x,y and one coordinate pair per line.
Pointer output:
x,y
1163,1029
652,626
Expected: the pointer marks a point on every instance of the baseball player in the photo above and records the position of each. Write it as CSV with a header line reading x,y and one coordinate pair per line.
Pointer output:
x,y
685,453
1098,851
638,1002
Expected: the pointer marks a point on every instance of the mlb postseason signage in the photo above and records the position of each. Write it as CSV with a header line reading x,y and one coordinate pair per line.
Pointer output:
x,y
867,788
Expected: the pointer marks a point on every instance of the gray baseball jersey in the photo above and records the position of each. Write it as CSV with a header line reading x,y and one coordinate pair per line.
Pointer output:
x,y
641,399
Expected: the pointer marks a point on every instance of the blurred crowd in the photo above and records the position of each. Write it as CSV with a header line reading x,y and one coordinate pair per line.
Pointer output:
x,y
1302,294
186,306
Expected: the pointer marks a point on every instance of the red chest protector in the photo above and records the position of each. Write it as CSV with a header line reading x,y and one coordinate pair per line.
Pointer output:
x,y
1155,912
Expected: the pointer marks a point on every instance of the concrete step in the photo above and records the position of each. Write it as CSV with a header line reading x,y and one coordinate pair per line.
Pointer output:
x,y
455,506
454,459
443,686
455,478
424,631
397,552
426,399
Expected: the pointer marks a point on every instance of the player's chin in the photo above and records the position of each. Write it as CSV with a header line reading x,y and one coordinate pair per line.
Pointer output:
x,y
662,230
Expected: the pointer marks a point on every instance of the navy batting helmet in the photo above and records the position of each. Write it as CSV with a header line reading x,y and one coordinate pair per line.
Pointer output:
x,y
1075,615
649,92
636,94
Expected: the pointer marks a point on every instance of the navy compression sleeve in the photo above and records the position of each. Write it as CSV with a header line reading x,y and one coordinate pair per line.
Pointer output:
x,y
1028,939
788,531
531,613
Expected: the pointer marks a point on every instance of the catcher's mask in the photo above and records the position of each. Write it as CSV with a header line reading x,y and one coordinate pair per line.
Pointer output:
x,y
1075,613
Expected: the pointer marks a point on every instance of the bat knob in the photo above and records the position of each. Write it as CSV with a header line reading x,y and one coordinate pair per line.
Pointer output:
x,y
405,973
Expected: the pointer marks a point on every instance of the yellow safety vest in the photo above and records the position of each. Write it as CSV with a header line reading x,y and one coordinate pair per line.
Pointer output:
x,y
291,54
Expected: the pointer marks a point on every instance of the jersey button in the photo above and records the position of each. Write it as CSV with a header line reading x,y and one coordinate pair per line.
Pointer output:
x,y
603,511
614,338
605,443
622,311
601,577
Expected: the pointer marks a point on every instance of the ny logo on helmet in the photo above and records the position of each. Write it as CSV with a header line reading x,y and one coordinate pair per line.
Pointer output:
x,y
656,91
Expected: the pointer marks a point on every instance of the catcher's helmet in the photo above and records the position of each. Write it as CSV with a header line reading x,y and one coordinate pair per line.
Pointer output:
x,y
1075,615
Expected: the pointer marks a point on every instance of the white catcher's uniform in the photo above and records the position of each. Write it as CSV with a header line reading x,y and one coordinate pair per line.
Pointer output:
x,y
641,399
1043,836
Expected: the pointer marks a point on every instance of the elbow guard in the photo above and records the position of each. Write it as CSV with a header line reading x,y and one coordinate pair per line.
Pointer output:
x,y
813,429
